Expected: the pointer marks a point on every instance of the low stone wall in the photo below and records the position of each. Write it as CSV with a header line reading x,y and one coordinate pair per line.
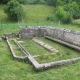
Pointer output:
x,y
69,36
12,34
22,58
46,46
1,39
44,66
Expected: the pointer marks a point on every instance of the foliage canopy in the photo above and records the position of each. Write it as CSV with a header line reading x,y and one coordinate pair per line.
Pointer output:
x,y
14,10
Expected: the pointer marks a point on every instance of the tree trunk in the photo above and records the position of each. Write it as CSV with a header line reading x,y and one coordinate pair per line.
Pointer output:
x,y
59,22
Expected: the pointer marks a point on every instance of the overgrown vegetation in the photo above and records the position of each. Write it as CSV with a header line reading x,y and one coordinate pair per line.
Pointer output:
x,y
71,8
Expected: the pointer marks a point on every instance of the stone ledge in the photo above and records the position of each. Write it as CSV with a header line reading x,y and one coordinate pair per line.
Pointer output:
x,y
64,43
13,53
44,66
46,46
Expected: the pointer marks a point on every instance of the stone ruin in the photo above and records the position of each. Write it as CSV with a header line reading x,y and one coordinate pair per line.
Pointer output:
x,y
66,37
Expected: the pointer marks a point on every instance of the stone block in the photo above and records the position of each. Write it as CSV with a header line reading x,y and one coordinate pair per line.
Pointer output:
x,y
8,34
1,39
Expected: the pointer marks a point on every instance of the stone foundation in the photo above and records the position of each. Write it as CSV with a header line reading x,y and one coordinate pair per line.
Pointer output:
x,y
69,36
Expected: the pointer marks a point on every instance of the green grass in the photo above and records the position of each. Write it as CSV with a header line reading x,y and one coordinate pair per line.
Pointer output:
x,y
3,16
33,13
77,22
63,52
37,13
35,16
9,30
34,49
16,49
11,69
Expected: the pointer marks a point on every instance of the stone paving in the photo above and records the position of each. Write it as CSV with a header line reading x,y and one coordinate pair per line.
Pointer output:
x,y
46,46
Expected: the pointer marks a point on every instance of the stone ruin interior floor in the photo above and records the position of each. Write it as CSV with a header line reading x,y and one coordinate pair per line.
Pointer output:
x,y
43,55
44,47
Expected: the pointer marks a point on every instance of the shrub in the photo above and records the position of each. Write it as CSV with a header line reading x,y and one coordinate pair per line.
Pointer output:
x,y
4,1
33,1
14,10
51,18
60,14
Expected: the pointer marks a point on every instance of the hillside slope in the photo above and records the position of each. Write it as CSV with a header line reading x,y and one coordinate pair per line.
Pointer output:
x,y
33,13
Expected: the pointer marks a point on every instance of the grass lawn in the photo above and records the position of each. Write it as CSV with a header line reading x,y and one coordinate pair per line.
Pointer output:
x,y
34,48
63,52
16,49
11,69
37,13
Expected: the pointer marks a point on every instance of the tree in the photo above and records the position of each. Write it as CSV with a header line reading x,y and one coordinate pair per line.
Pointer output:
x,y
4,1
14,10
51,2
78,1
60,14
73,8
55,3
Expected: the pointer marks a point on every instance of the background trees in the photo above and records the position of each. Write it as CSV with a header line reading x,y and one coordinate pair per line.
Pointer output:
x,y
4,1
14,10
60,14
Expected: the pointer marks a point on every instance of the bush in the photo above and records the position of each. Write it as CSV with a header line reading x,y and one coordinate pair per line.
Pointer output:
x,y
42,2
32,1
22,1
14,10
73,8
76,22
4,1
68,19
60,14
51,18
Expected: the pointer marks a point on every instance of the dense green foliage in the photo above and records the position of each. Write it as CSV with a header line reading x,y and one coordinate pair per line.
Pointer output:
x,y
24,1
4,1
14,10
71,7
60,13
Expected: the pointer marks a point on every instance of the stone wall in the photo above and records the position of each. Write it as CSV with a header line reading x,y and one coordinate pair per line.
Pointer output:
x,y
30,32
69,36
